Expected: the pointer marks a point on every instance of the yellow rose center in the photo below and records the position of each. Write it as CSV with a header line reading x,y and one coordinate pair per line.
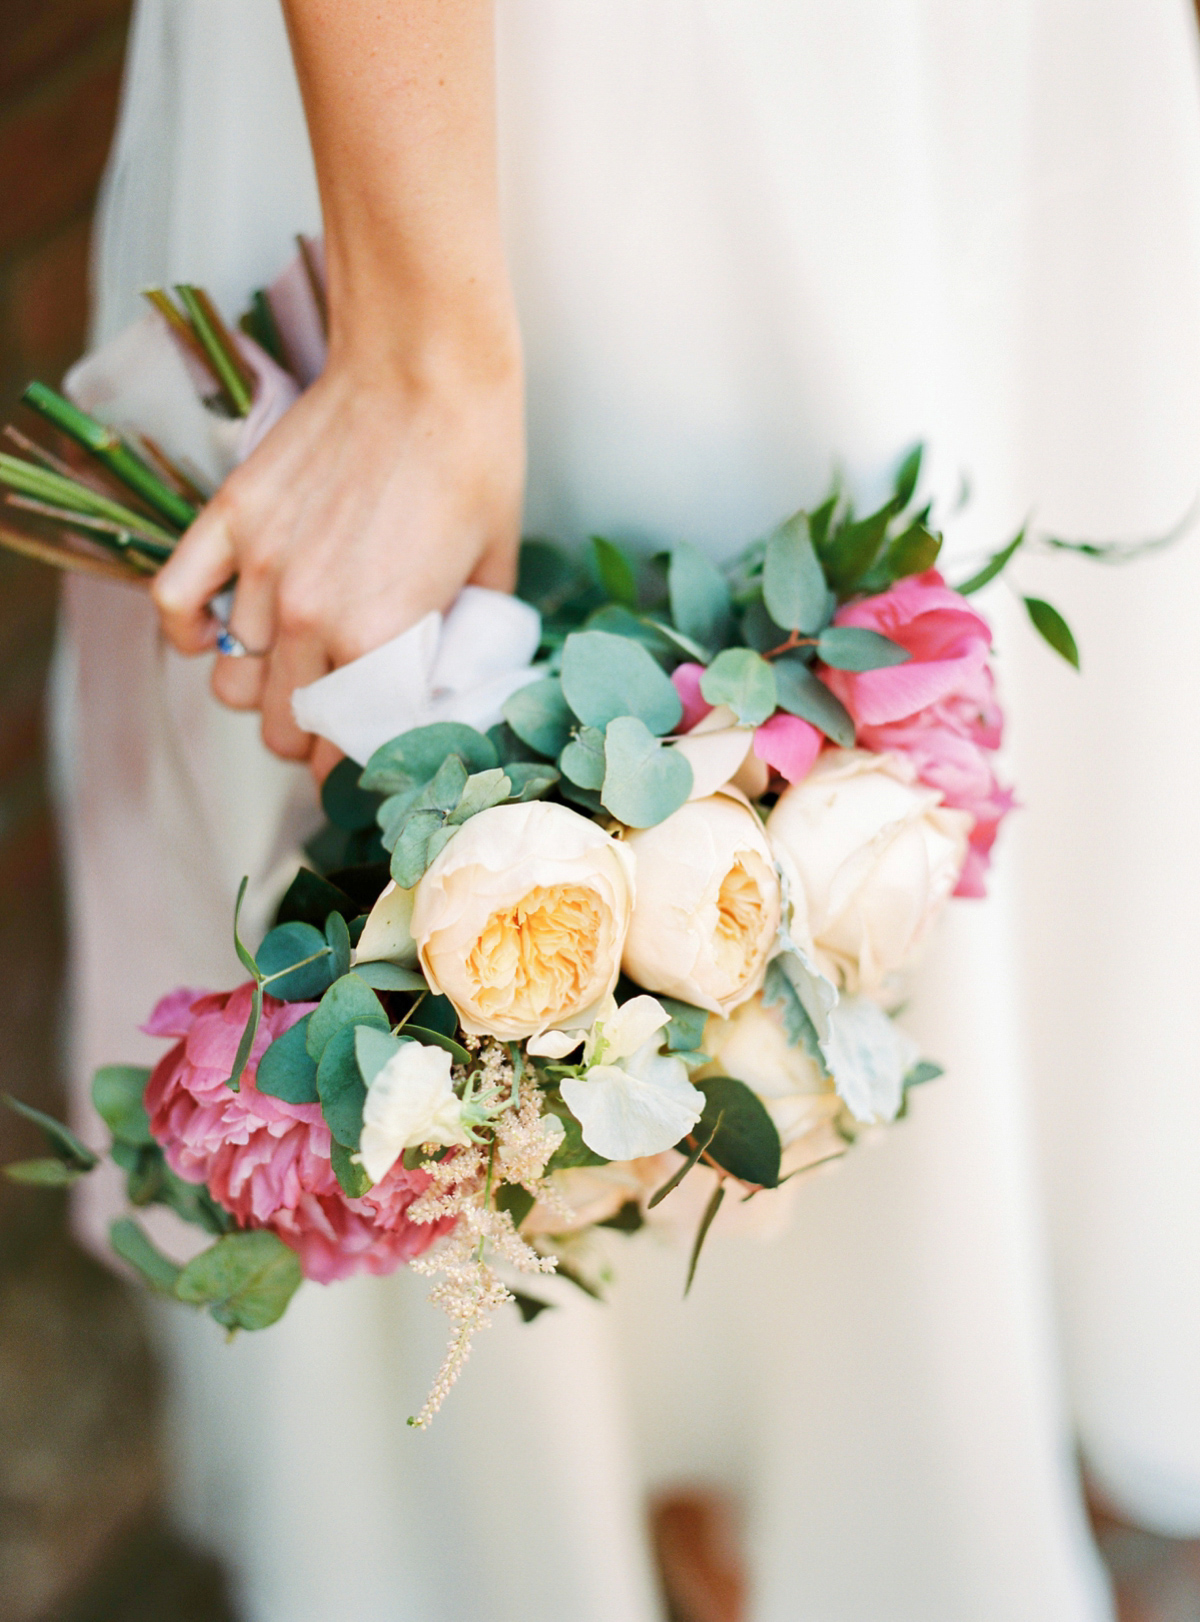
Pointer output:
x,y
743,918
536,961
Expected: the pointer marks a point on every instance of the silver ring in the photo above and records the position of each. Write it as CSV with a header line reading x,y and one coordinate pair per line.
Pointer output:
x,y
234,648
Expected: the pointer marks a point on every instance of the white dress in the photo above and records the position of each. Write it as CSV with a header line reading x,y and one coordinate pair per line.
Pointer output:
x,y
751,238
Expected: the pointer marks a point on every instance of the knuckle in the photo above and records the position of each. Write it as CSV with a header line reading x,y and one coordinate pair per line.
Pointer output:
x,y
300,608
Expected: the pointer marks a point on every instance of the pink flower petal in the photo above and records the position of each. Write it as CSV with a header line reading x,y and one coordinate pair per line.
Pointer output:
x,y
687,684
788,744
172,1013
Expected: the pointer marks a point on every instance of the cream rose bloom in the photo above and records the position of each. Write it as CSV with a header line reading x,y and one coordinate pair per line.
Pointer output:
x,y
871,856
522,918
752,1047
708,904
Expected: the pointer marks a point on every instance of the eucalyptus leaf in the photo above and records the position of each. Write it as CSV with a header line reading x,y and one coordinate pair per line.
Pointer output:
x,y
924,1070
745,1142
349,1001
415,757
438,841
287,1070
118,1091
802,693
615,571
438,1014
606,676
60,1138
547,576
794,589
245,1280
745,681
446,787
540,716
480,792
779,992
657,639
384,976
759,631
352,1177
411,855
851,647
644,780
531,780
340,1088
290,944
373,1049
583,759
685,1032
1052,628
130,1242
337,938
310,899
701,605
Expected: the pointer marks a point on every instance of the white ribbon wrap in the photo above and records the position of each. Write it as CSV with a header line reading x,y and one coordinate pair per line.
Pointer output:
x,y
457,667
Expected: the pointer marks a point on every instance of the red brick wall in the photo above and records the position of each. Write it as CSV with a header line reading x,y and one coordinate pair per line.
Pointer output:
x,y
60,68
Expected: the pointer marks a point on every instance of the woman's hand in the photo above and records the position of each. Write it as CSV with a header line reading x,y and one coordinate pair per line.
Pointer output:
x,y
398,477
371,502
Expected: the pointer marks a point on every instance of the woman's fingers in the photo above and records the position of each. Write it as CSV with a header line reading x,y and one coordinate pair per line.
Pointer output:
x,y
201,564
240,681
294,663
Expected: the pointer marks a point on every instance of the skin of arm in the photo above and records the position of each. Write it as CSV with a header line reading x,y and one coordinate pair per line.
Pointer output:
x,y
399,475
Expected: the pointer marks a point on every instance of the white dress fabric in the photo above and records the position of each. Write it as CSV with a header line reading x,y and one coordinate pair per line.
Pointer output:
x,y
750,240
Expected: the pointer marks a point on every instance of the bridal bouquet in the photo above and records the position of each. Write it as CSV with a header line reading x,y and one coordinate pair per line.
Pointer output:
x,y
621,881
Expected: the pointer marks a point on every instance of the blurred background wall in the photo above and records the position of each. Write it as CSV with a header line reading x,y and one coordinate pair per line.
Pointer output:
x,y
82,1535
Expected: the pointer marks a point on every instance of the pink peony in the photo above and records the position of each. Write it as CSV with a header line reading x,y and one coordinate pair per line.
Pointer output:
x,y
783,742
939,709
264,1160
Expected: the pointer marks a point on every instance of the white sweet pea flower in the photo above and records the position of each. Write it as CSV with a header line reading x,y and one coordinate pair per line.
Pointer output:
x,y
869,1056
631,1100
553,1044
410,1101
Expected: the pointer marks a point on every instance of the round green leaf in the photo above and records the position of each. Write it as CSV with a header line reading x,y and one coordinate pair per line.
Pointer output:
x,y
745,681
344,802
415,757
539,716
583,759
606,676
246,1279
117,1093
349,1001
644,779
287,1070
287,944
340,1088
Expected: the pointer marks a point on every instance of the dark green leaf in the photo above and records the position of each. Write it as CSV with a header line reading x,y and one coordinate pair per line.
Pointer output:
x,y
352,1178
60,1138
850,647
644,780
572,1151
548,576
907,475
794,589
242,1057
673,1182
1052,628
131,1244
287,1070
509,748
803,694
438,1014
627,1220
820,519
615,572
746,1143
415,757
245,1280
349,1001
529,1306
657,639
745,681
852,549
385,976
117,1093
701,606
585,798
539,716
991,568
310,899
531,780
44,1173
517,1201
344,802
340,1088
759,631
911,553
706,1222
583,759
289,944
606,676
337,938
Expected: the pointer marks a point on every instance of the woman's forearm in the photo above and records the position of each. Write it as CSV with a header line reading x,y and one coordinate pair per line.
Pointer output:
x,y
400,101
